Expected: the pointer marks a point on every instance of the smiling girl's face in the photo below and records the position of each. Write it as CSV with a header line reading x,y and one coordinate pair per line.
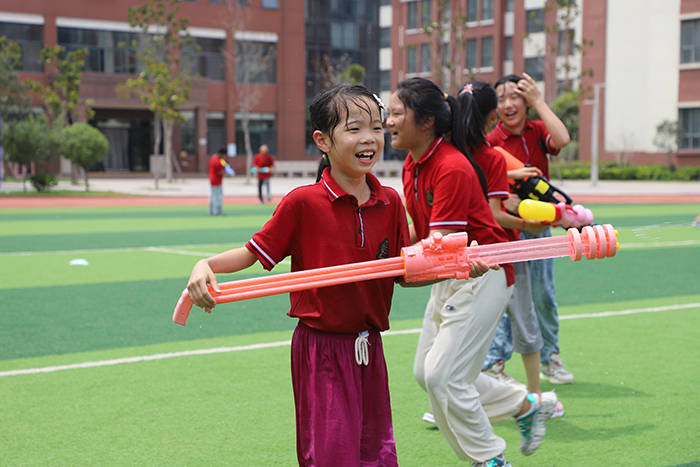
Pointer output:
x,y
356,143
512,108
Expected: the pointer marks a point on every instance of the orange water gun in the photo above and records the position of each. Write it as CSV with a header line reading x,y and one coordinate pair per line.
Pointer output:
x,y
437,257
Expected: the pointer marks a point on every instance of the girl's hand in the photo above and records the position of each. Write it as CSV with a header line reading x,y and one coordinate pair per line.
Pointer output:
x,y
478,268
512,203
534,227
528,89
197,286
525,172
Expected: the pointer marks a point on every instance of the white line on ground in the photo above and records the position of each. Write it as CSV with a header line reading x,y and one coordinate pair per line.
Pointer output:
x,y
268,345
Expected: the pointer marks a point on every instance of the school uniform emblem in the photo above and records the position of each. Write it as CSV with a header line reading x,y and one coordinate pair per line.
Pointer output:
x,y
429,197
383,252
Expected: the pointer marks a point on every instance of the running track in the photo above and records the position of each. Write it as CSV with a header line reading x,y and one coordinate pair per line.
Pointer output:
x,y
27,202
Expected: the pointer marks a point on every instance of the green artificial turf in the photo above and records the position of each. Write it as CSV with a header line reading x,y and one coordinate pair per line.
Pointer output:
x,y
633,403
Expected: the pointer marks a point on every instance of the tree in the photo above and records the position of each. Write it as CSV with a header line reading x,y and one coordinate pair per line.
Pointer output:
x,y
14,97
26,141
448,42
84,145
161,85
250,60
666,140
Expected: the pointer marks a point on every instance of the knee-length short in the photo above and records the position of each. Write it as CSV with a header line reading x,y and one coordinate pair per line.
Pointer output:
x,y
343,412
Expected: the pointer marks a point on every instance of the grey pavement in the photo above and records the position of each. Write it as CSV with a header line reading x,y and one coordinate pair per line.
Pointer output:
x,y
239,186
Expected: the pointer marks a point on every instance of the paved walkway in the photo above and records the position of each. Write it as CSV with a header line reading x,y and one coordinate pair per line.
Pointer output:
x,y
195,190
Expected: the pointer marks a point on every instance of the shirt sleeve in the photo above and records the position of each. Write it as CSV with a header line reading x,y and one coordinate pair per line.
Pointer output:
x,y
545,139
451,197
498,176
278,237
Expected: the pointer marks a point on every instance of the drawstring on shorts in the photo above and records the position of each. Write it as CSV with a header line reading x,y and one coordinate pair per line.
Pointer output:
x,y
362,349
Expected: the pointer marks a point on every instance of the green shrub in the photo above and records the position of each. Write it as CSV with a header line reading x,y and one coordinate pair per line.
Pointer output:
x,y
43,182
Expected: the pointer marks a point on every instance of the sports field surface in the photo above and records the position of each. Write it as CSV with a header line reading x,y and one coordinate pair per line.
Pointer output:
x,y
93,372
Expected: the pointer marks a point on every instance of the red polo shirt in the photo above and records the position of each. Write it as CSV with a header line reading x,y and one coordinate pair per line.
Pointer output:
x,y
263,160
443,191
530,147
216,170
320,225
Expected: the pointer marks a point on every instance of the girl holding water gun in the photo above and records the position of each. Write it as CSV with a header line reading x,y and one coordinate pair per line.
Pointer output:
x,y
339,375
478,102
445,191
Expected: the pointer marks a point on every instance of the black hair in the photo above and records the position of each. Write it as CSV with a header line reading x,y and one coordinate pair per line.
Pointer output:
x,y
477,100
332,107
426,100
508,79
221,150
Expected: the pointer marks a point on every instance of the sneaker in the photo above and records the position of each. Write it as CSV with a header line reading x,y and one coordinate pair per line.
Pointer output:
x,y
428,417
496,372
531,424
558,410
556,372
499,461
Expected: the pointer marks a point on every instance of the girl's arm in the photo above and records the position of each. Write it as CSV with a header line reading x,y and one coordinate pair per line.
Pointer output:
x,y
509,221
529,90
204,273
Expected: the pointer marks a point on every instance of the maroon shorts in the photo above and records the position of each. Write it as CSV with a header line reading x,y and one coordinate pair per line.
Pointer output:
x,y
343,411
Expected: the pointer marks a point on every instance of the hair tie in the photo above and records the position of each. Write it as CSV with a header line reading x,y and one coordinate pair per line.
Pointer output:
x,y
469,87
382,108
445,96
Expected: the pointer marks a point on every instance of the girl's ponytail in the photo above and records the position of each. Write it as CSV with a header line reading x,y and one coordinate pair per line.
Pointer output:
x,y
322,165
463,139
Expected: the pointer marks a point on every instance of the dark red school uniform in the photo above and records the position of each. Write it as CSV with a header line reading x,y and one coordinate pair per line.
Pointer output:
x,y
342,404
530,147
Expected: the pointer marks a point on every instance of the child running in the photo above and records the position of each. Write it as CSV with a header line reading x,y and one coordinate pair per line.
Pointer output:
x,y
445,191
339,375
478,102
530,141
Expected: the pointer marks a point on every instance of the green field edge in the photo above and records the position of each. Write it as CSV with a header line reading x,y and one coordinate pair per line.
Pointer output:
x,y
280,336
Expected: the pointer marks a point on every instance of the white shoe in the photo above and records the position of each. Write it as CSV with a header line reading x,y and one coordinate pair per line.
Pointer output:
x,y
558,410
556,372
428,417
531,425
496,372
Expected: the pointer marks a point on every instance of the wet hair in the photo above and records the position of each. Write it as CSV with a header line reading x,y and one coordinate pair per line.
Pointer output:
x,y
426,100
332,108
476,100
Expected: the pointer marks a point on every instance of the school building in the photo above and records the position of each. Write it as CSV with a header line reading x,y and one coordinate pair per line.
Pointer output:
x,y
639,61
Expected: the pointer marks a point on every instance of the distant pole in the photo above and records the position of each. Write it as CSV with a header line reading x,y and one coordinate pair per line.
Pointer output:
x,y
594,136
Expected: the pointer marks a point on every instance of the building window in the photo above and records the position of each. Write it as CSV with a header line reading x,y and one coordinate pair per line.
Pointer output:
x,y
535,68
216,131
689,121
411,59
472,58
384,38
535,21
271,4
426,15
208,61
30,38
425,58
487,10
187,133
385,80
510,5
262,129
412,15
566,43
446,10
509,48
255,62
104,54
690,41
487,52
472,11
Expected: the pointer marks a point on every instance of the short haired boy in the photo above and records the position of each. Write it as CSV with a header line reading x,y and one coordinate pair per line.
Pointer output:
x,y
530,141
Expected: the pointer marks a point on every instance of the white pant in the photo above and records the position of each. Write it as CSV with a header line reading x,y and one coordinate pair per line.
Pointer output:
x,y
460,321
